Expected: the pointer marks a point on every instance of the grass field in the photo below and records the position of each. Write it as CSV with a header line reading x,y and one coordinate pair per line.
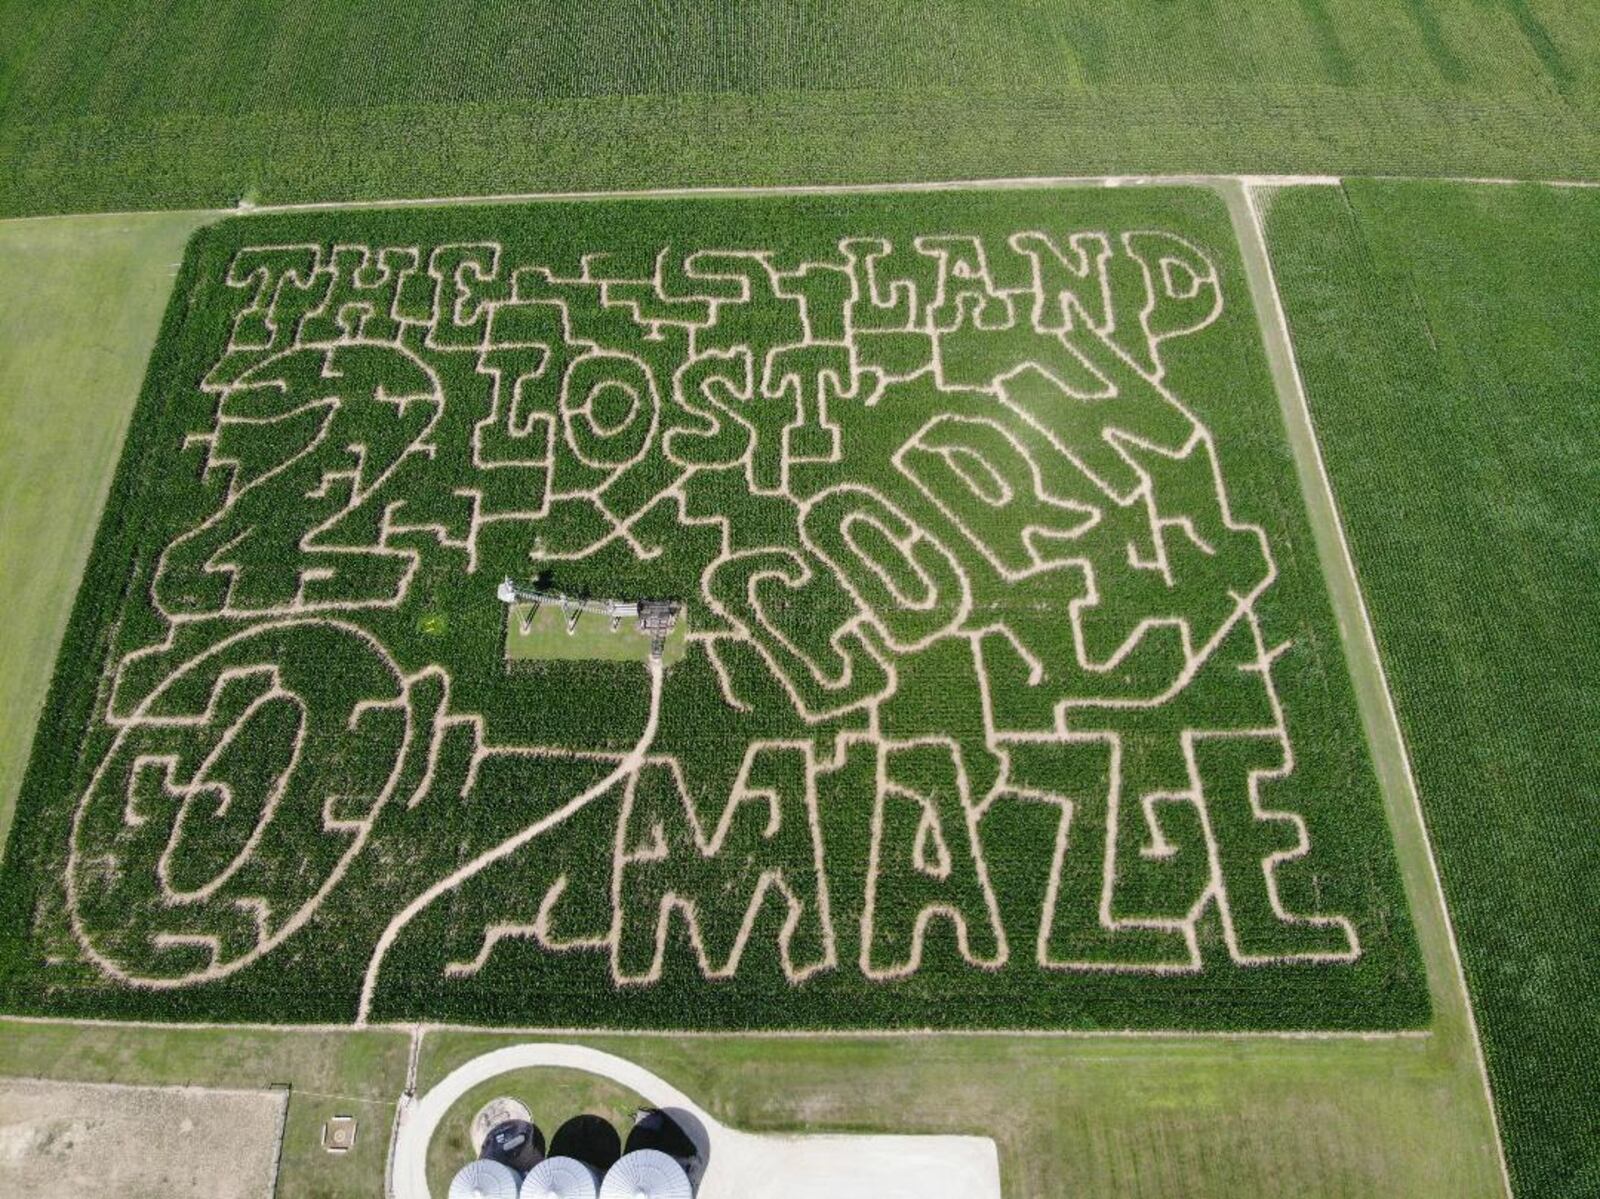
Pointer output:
x,y
1446,337
951,615
540,634
1139,1118
1136,1118
119,106
328,1073
80,301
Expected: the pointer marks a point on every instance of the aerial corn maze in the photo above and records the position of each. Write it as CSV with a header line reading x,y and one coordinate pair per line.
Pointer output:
x,y
1001,690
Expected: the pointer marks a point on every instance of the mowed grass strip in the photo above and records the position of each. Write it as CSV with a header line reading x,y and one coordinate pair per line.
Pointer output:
x,y
541,634
120,106
80,302
1446,337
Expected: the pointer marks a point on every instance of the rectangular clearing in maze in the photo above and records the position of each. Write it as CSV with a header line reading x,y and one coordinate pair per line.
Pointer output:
x,y
1006,693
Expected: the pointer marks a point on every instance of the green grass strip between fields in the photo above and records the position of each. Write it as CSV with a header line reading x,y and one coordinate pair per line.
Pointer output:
x,y
542,634
80,300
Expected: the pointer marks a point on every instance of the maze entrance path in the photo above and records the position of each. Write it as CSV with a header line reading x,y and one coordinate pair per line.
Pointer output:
x,y
1011,696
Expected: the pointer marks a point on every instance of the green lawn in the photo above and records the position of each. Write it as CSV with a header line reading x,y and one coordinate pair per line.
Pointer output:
x,y
1136,1118
543,636
1447,340
80,300
118,105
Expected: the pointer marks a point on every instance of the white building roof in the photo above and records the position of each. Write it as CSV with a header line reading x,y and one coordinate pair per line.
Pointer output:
x,y
646,1174
560,1178
484,1180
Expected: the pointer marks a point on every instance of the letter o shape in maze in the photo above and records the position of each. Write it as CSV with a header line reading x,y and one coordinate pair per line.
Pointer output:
x,y
609,409
233,800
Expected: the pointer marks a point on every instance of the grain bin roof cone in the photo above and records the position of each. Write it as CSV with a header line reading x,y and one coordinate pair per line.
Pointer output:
x,y
646,1174
515,1143
561,1178
484,1180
